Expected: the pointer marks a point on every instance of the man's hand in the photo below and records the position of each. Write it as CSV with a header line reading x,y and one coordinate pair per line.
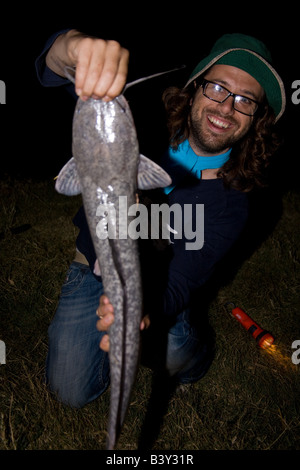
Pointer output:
x,y
105,312
101,66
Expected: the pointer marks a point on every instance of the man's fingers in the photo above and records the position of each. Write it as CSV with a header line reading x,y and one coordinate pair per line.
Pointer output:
x,y
145,323
114,72
91,59
105,321
106,318
105,312
105,306
101,68
104,343
82,52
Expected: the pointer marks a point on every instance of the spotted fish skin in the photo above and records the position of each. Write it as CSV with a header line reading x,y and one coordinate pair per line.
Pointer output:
x,y
106,153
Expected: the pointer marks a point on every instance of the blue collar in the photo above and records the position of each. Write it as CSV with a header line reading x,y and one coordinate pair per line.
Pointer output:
x,y
184,160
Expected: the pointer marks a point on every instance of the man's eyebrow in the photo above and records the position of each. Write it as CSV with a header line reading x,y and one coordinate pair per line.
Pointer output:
x,y
243,92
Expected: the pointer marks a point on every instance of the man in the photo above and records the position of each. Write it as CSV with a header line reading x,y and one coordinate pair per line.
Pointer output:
x,y
221,138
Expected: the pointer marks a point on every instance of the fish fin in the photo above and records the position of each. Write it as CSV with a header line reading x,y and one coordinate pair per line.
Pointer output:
x,y
151,175
67,182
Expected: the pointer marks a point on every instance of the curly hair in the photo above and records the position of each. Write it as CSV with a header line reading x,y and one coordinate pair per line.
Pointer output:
x,y
245,170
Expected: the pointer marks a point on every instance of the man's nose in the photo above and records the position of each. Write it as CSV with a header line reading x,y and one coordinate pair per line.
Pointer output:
x,y
227,107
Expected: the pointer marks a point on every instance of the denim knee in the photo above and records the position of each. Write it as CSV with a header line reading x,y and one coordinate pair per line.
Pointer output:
x,y
77,393
77,370
179,351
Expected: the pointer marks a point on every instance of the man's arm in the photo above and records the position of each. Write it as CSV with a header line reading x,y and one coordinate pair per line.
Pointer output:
x,y
101,66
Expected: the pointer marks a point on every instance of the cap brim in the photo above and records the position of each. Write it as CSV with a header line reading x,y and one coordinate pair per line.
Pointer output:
x,y
263,74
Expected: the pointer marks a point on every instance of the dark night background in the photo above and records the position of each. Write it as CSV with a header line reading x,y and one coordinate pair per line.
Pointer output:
x,y
36,121
35,129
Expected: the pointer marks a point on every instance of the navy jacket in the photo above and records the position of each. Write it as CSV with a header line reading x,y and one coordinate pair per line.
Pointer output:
x,y
172,277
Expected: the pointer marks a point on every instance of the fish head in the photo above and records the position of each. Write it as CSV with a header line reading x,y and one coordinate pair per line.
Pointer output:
x,y
106,151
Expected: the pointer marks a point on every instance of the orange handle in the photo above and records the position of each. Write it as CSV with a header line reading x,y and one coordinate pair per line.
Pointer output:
x,y
263,337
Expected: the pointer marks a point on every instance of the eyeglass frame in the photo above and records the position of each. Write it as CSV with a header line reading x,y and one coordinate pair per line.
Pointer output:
x,y
204,84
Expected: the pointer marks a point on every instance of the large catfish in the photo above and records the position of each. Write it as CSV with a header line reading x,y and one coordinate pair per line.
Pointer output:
x,y
107,168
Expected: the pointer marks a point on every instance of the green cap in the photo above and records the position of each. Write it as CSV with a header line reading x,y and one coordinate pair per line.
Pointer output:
x,y
252,56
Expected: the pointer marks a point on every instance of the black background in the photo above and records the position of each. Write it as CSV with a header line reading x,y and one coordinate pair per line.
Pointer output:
x,y
36,121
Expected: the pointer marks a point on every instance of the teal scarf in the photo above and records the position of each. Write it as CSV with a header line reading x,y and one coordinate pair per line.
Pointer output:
x,y
184,160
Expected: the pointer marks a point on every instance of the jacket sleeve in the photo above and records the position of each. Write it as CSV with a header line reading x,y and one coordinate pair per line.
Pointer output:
x,y
224,220
46,76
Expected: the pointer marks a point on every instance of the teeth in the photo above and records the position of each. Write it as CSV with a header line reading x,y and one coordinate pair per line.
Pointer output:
x,y
218,123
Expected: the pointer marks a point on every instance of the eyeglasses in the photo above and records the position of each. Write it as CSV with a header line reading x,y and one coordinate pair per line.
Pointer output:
x,y
218,93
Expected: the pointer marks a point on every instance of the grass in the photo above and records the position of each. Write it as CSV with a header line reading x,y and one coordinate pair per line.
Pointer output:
x,y
249,399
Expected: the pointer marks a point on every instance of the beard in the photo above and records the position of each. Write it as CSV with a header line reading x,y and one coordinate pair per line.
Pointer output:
x,y
210,142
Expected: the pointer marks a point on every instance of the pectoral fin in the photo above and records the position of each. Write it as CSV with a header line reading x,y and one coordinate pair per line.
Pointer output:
x,y
150,176
67,182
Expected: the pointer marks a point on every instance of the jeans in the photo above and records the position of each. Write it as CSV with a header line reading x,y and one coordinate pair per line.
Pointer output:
x,y
77,370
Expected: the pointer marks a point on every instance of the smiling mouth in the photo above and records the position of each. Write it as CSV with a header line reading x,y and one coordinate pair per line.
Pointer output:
x,y
220,124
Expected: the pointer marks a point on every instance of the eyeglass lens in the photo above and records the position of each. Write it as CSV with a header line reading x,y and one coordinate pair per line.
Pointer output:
x,y
218,93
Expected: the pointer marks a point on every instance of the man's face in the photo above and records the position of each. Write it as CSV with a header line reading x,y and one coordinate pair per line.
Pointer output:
x,y
215,127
